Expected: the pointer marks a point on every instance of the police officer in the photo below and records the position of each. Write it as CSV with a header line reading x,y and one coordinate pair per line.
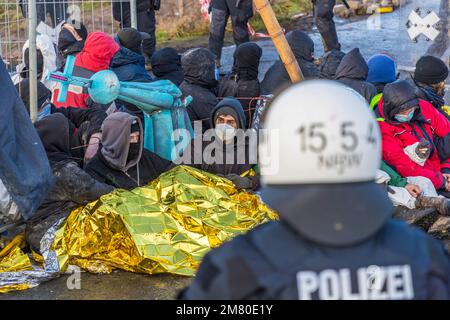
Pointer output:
x,y
241,11
50,11
335,238
146,21
323,15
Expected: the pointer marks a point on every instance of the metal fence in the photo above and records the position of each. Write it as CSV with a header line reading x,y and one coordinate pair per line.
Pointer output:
x,y
47,17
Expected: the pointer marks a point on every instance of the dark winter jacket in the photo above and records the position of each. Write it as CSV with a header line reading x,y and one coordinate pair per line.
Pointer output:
x,y
96,55
243,81
428,94
277,78
72,186
199,83
129,65
243,150
120,163
353,71
329,63
294,258
24,169
427,124
166,65
274,261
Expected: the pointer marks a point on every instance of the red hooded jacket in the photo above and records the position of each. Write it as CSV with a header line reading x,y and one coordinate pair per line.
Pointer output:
x,y
96,55
426,124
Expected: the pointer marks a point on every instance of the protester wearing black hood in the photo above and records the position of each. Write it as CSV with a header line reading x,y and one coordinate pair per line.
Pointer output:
x,y
72,186
243,80
353,71
84,124
166,65
122,162
200,82
429,77
329,63
277,78
226,150
70,41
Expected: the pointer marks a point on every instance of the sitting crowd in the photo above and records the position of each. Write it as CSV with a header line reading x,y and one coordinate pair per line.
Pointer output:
x,y
95,148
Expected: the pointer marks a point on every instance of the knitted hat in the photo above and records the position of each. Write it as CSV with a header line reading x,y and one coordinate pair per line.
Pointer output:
x,y
382,69
430,70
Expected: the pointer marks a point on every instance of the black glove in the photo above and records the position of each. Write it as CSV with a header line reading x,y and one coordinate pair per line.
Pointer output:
x,y
240,182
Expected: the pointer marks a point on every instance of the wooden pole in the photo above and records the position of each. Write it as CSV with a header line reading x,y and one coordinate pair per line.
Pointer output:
x,y
279,40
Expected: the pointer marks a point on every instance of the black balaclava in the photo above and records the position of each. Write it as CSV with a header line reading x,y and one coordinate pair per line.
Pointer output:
x,y
134,150
246,61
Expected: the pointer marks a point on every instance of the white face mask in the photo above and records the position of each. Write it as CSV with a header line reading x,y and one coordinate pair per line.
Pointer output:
x,y
225,132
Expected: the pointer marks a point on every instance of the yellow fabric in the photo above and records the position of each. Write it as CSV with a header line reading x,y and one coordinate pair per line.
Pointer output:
x,y
15,260
167,226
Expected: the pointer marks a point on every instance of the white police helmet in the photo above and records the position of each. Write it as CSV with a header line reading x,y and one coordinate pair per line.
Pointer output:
x,y
318,157
319,132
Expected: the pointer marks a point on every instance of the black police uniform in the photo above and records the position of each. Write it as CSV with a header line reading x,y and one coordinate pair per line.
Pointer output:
x,y
323,14
240,11
146,21
325,248
56,10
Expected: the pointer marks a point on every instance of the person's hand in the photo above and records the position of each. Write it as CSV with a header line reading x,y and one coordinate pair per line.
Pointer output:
x,y
92,148
413,190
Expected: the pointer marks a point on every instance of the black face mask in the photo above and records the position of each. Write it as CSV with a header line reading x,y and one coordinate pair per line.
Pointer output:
x,y
133,153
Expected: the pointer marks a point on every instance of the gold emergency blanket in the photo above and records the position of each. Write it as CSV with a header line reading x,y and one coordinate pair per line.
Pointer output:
x,y
167,226
13,259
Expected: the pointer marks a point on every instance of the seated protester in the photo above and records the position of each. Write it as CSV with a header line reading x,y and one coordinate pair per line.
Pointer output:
x,y
122,162
96,55
230,153
276,78
200,83
84,124
166,65
329,63
353,71
71,41
128,63
243,79
411,192
382,70
46,61
24,73
429,77
72,186
409,129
